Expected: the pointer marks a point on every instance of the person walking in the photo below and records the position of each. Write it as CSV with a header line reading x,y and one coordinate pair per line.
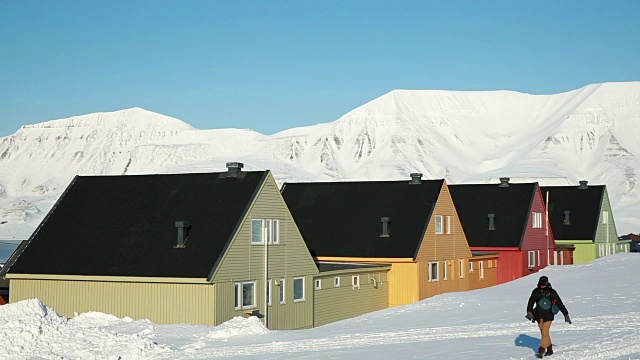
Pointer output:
x,y
547,303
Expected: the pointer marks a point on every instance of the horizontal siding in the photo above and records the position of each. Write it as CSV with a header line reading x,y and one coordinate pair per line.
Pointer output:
x,y
486,278
339,303
159,302
452,283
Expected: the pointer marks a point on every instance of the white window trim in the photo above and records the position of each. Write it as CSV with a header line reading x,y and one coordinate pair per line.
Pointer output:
x,y
531,258
270,231
439,225
301,279
470,266
481,270
448,224
282,293
318,284
238,288
433,278
355,281
269,292
538,257
461,270
444,270
336,281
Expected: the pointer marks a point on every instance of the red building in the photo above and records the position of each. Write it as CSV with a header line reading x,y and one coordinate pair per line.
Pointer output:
x,y
508,219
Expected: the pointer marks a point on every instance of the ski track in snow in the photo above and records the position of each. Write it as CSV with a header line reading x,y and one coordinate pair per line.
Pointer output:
x,y
619,344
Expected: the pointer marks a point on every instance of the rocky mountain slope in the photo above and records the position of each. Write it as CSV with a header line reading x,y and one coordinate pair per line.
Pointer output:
x,y
463,136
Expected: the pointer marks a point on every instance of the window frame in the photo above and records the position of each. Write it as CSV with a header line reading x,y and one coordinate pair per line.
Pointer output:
x,y
299,280
461,270
269,231
470,266
439,224
448,224
336,281
239,295
269,292
431,265
531,256
481,269
355,281
253,231
282,293
444,270
317,284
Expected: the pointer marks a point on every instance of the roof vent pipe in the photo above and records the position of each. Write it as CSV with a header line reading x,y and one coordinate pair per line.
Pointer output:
x,y
183,232
416,178
504,182
567,217
583,185
386,226
492,221
234,168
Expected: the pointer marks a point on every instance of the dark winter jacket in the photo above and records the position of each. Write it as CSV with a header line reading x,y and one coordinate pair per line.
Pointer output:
x,y
538,312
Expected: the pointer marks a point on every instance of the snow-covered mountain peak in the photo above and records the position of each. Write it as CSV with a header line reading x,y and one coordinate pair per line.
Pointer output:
x,y
463,136
129,118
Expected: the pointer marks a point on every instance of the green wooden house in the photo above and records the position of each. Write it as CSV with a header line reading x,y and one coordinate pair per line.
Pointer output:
x,y
581,216
175,248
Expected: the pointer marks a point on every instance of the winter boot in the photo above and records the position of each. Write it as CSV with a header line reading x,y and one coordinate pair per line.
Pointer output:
x,y
540,353
549,351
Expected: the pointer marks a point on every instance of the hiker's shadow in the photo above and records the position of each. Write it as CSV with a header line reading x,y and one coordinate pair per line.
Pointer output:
x,y
528,342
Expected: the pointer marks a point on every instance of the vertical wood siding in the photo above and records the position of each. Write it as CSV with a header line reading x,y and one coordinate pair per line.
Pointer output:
x,y
162,303
339,303
403,284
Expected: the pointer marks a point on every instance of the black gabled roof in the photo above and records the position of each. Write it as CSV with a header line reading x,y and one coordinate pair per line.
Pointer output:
x,y
343,219
584,205
125,225
511,206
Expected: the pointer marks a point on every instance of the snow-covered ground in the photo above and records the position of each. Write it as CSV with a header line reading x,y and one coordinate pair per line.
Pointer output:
x,y
602,298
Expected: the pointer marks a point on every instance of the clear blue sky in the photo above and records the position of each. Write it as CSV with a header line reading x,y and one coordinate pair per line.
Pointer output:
x,y
274,65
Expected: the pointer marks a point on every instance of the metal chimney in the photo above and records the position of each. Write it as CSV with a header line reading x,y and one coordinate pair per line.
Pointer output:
x,y
567,217
583,185
183,232
416,178
504,182
234,168
492,221
386,226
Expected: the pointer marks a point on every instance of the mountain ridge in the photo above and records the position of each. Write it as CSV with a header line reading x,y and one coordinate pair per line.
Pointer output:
x,y
461,136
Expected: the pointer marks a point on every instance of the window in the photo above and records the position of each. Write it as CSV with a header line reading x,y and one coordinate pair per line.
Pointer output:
x,y
444,270
245,295
538,257
481,269
355,281
256,231
537,220
438,224
470,267
448,224
269,292
605,217
433,271
298,289
265,229
601,246
318,284
282,291
532,258
461,269
336,281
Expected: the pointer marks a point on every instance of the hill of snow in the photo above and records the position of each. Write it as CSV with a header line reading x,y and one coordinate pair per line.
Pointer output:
x,y
463,136
481,324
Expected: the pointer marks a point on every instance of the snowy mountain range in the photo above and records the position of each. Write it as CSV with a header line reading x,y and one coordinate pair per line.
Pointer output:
x,y
591,134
